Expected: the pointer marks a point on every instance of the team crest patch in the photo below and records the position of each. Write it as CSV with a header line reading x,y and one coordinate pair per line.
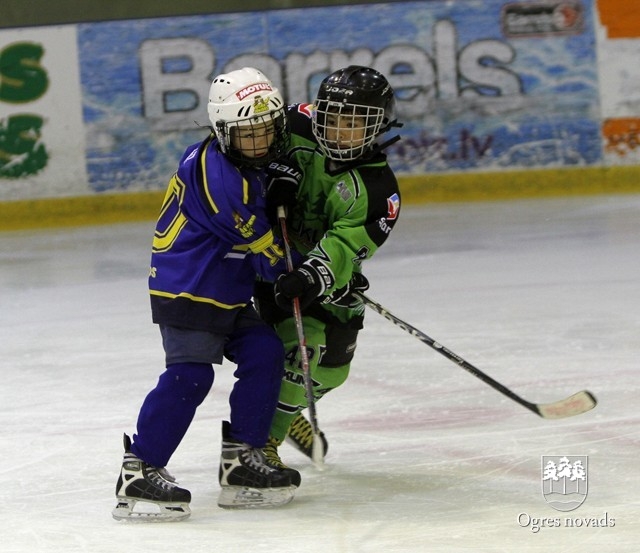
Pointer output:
x,y
245,228
260,105
393,207
343,191
565,481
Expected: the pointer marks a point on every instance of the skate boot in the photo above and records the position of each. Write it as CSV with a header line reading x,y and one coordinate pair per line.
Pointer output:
x,y
270,451
147,493
300,436
247,480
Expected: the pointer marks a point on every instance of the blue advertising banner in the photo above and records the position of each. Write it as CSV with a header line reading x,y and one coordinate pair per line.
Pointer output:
x,y
480,84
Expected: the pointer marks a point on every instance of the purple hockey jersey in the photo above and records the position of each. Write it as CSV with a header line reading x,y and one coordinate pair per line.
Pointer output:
x,y
211,239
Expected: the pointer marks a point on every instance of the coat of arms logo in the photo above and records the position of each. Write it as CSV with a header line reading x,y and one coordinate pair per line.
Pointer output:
x,y
565,481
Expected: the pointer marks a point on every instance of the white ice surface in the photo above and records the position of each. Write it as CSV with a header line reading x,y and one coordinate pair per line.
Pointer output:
x,y
543,295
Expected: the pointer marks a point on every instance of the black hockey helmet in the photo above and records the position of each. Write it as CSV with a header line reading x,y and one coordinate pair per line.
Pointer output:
x,y
355,95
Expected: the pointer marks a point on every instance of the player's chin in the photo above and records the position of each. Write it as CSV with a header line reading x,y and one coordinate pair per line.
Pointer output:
x,y
341,147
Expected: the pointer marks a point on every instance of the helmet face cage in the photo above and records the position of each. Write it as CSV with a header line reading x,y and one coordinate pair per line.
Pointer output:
x,y
254,141
353,107
247,114
346,131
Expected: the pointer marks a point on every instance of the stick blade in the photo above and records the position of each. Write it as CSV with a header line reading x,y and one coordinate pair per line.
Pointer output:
x,y
569,407
317,452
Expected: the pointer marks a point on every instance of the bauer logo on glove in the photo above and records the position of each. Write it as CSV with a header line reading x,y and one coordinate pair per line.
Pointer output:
x,y
283,180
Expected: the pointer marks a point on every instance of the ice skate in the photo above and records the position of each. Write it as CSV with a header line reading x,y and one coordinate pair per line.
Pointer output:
x,y
300,436
248,481
272,456
147,493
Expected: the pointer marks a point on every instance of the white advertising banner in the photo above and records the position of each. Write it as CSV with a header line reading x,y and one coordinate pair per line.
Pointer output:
x,y
42,150
481,86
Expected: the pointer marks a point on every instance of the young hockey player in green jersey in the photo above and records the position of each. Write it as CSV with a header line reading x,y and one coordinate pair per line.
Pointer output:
x,y
341,206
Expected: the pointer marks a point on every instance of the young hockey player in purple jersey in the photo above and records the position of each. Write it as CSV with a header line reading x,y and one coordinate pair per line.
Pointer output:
x,y
211,240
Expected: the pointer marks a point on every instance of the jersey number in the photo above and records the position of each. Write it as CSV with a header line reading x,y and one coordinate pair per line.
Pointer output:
x,y
292,357
171,220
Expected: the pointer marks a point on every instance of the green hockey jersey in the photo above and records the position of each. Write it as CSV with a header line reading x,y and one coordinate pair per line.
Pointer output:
x,y
344,212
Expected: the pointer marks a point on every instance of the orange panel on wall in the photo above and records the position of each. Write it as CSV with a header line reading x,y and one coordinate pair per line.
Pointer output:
x,y
621,136
620,17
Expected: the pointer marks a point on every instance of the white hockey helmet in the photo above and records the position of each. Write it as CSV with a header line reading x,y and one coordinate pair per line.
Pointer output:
x,y
243,100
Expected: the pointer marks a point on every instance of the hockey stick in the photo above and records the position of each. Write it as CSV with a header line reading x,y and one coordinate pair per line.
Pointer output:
x,y
571,406
317,447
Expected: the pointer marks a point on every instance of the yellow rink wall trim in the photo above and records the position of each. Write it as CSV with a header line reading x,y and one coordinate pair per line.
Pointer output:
x,y
537,183
96,209
416,189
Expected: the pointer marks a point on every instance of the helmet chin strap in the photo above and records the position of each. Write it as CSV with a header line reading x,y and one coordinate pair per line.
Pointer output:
x,y
390,125
377,148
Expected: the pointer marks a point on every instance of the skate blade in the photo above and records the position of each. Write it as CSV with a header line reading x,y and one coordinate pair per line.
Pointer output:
x,y
238,497
133,510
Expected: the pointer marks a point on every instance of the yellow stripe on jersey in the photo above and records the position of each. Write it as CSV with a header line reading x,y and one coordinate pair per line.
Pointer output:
x,y
245,191
274,254
262,243
205,181
195,298
266,247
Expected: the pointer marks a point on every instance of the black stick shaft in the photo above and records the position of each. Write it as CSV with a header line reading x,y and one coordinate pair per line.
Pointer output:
x,y
452,356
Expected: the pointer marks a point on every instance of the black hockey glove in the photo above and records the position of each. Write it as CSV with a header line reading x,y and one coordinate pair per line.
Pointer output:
x,y
306,283
283,180
343,297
